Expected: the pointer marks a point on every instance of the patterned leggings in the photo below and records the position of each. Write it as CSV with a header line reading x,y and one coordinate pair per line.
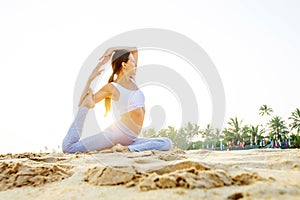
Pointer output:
x,y
116,133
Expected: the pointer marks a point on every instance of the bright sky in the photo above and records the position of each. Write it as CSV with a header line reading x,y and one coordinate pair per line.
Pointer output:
x,y
254,44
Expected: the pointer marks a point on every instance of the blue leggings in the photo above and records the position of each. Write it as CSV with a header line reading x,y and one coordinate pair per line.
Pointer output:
x,y
116,133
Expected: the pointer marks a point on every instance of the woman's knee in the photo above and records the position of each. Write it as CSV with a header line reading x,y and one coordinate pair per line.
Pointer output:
x,y
66,149
73,148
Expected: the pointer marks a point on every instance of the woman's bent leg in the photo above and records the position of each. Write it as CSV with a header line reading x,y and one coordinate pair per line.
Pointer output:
x,y
142,144
108,138
102,140
71,142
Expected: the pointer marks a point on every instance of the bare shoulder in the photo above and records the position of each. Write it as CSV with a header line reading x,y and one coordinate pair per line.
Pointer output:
x,y
110,88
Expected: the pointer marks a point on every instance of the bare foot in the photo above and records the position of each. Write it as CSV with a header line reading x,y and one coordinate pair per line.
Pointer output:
x,y
120,148
88,101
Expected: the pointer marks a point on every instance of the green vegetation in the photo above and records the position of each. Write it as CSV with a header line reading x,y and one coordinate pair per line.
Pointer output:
x,y
192,136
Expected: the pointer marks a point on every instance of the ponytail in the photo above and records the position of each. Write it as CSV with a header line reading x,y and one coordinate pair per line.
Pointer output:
x,y
108,100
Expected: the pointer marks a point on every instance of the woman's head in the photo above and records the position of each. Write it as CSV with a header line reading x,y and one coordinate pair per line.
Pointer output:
x,y
123,63
119,58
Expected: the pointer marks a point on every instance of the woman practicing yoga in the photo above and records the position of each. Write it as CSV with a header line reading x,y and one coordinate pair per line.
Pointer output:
x,y
123,94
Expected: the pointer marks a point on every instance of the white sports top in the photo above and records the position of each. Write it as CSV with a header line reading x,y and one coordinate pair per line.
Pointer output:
x,y
128,99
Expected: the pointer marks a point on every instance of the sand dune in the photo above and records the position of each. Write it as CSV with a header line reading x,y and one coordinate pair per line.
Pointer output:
x,y
248,174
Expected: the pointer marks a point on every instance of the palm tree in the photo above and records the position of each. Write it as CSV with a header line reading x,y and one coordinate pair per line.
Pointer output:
x,y
149,133
235,127
255,131
246,133
295,120
169,132
295,124
181,141
228,135
211,135
181,138
295,140
218,134
207,132
191,130
265,110
278,127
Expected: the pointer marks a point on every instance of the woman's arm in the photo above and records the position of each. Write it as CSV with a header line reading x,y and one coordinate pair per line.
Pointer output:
x,y
96,72
107,91
111,50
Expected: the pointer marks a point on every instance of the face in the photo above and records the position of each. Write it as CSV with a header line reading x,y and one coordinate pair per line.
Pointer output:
x,y
130,67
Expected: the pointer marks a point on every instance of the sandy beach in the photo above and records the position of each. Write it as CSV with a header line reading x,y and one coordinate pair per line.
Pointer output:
x,y
198,174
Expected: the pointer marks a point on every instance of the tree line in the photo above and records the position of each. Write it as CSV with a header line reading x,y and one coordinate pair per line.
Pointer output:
x,y
192,136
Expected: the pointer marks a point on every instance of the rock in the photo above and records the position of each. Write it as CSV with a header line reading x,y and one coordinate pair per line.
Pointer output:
x,y
109,175
19,175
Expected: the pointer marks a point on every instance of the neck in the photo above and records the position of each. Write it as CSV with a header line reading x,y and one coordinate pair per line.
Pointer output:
x,y
123,78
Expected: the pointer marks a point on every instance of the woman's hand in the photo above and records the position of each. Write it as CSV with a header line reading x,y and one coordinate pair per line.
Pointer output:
x,y
109,51
106,56
96,72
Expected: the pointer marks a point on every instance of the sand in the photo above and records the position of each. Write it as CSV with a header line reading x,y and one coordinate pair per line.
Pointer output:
x,y
198,174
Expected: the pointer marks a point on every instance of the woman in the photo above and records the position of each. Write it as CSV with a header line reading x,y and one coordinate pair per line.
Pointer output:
x,y
125,97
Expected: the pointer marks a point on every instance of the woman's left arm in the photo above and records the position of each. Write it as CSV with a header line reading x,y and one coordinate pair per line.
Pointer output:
x,y
96,72
133,50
